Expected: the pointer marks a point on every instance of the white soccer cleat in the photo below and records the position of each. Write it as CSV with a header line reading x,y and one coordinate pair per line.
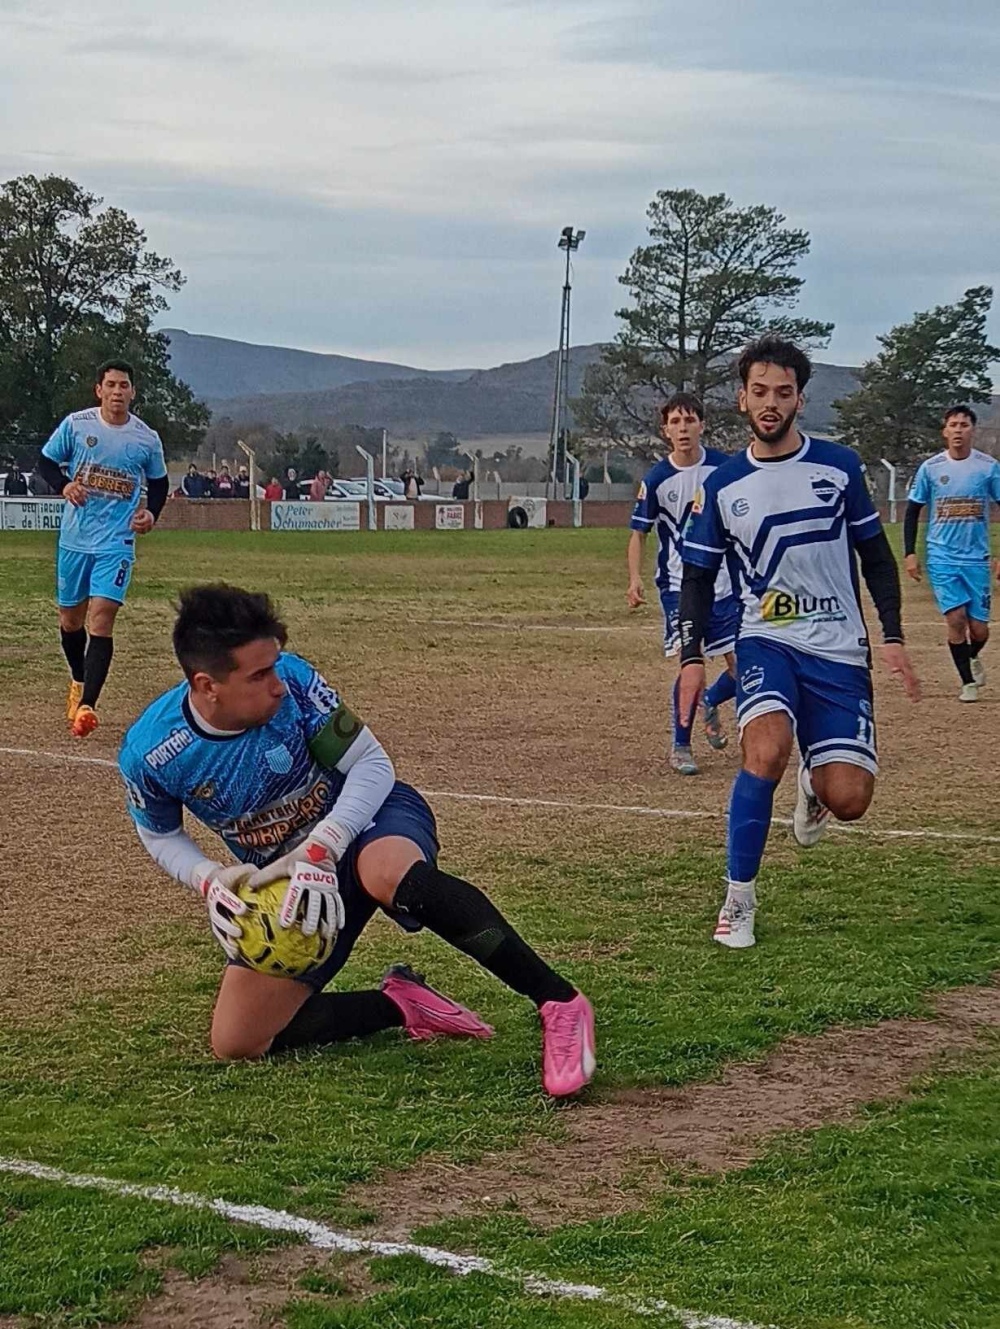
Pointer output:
x,y
809,820
734,927
978,672
682,761
970,692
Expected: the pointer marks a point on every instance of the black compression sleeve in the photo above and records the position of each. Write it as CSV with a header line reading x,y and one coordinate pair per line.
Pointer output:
x,y
51,474
878,567
910,523
697,597
156,495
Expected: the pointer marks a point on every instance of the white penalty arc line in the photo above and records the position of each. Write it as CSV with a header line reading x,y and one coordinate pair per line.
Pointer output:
x,y
559,805
327,1238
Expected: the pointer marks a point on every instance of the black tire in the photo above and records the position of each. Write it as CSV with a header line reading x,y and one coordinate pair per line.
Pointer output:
x,y
517,519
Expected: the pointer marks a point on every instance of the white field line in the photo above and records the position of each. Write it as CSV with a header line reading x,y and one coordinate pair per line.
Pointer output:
x,y
623,809
326,1238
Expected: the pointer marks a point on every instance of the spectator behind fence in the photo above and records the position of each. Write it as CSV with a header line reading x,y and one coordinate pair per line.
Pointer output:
x,y
15,482
460,489
291,485
224,486
273,491
193,483
412,483
208,484
241,485
318,487
39,486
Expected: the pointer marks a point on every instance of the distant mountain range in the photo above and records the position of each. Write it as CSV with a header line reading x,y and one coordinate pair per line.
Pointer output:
x,y
291,389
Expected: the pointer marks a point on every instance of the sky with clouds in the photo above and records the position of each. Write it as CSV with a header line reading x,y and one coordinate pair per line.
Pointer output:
x,y
389,179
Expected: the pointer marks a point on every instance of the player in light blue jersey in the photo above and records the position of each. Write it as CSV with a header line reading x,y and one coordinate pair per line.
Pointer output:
x,y
789,516
957,487
262,750
666,498
98,459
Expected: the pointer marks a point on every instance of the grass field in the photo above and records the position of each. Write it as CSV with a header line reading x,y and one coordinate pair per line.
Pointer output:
x,y
733,1156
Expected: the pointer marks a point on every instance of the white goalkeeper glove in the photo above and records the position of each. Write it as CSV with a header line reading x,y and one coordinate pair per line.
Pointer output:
x,y
214,883
313,901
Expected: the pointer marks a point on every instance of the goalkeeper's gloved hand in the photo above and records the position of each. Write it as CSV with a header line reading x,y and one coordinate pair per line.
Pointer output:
x,y
323,847
215,885
313,901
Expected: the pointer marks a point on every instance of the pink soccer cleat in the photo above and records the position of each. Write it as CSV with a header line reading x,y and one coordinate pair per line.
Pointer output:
x,y
430,1014
569,1056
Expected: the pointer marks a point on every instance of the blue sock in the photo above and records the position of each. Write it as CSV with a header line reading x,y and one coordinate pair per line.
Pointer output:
x,y
722,690
750,805
682,732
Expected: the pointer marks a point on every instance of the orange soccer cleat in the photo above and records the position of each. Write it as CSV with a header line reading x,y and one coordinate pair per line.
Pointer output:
x,y
85,722
73,698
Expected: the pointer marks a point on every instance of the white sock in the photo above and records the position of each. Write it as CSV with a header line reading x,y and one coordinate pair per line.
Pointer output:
x,y
741,892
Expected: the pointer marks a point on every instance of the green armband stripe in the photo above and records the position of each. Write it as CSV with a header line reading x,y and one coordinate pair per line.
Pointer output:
x,y
336,736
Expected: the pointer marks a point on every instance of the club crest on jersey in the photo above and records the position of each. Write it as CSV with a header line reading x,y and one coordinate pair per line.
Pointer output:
x,y
279,759
752,678
825,489
740,507
673,496
944,479
91,440
204,792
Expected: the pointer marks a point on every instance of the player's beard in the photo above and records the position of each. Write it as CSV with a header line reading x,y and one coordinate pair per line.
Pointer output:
x,y
778,433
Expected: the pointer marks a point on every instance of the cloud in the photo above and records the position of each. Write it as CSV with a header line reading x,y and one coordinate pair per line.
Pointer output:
x,y
372,176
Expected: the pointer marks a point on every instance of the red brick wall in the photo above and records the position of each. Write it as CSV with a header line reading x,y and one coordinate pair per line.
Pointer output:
x,y
233,514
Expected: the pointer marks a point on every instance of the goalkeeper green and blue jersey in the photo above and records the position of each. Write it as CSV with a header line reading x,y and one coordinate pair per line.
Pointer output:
x,y
260,789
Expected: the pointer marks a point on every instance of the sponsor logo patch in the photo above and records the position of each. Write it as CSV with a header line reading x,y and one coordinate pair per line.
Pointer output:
x,y
784,607
320,696
169,749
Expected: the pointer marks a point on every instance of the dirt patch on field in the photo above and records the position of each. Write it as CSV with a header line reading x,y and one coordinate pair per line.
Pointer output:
x,y
618,1149
244,1293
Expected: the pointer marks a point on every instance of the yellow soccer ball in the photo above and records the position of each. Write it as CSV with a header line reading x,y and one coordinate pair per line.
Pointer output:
x,y
270,949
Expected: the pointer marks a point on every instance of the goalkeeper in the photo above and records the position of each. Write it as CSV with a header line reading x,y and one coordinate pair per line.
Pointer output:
x,y
258,747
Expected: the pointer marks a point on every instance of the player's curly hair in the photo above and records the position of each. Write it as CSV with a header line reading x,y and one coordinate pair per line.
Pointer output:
x,y
774,350
213,621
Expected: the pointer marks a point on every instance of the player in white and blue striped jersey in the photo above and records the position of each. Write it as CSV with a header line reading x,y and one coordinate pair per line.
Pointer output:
x,y
666,498
790,516
957,487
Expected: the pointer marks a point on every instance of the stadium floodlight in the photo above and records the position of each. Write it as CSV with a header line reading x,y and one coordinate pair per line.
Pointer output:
x,y
569,240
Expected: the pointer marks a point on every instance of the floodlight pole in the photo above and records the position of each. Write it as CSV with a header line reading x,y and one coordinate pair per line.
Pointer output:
x,y
575,488
570,240
385,449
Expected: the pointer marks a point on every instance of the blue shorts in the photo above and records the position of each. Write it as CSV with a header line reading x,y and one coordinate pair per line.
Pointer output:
x,y
830,704
723,624
80,576
961,584
405,813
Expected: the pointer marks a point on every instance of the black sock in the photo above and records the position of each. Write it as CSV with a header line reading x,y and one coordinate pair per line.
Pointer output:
x,y
333,1017
961,655
974,648
462,915
74,646
95,668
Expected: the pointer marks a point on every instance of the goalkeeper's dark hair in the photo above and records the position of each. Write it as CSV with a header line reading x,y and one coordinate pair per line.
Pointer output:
x,y
774,350
213,621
